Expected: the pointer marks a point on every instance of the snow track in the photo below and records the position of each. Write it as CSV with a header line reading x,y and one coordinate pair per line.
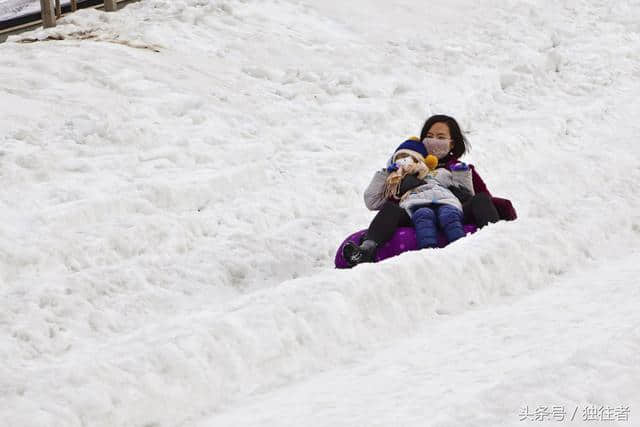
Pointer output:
x,y
169,218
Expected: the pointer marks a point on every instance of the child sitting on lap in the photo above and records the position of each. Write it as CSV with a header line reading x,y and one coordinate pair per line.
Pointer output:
x,y
426,194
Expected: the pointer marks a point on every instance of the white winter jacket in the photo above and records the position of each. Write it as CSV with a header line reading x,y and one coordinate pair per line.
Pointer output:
x,y
435,190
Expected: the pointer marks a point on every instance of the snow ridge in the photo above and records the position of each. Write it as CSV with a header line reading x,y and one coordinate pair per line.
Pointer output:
x,y
178,210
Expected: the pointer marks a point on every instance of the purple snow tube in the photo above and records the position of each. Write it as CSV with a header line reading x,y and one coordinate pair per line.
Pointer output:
x,y
404,239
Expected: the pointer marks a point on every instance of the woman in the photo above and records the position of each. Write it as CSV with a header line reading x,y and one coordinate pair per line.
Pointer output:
x,y
480,209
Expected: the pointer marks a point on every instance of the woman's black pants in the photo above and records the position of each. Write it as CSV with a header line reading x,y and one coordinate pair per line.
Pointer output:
x,y
387,220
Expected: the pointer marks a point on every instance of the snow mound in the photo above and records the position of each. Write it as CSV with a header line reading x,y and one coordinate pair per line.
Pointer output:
x,y
169,215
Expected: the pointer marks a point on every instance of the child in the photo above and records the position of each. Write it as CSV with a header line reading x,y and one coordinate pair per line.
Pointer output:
x,y
425,193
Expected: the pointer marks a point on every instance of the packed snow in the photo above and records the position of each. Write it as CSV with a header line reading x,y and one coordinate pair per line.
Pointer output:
x,y
175,188
561,348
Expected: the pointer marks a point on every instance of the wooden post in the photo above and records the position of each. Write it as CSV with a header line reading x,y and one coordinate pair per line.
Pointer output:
x,y
48,15
74,5
58,9
110,5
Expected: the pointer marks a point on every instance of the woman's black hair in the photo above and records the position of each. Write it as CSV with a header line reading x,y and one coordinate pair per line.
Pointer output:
x,y
460,142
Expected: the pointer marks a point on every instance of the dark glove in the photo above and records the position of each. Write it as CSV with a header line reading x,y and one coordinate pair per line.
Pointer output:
x,y
481,210
408,183
461,193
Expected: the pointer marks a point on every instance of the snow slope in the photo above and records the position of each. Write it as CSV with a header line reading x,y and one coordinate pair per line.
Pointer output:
x,y
174,192
13,8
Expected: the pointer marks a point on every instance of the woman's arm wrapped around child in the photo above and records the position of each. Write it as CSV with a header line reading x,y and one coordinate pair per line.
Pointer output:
x,y
391,183
374,196
405,178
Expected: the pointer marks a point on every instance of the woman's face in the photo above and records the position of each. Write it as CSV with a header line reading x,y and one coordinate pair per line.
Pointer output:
x,y
440,131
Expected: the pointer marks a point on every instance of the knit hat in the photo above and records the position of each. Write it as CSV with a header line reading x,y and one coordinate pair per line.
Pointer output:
x,y
413,147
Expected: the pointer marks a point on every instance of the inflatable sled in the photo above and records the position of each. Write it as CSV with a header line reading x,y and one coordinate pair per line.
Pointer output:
x,y
404,239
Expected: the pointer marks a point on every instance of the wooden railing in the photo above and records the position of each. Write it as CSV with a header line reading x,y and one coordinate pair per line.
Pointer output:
x,y
51,10
33,20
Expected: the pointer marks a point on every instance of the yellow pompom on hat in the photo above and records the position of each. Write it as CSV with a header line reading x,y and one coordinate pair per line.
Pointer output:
x,y
431,161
